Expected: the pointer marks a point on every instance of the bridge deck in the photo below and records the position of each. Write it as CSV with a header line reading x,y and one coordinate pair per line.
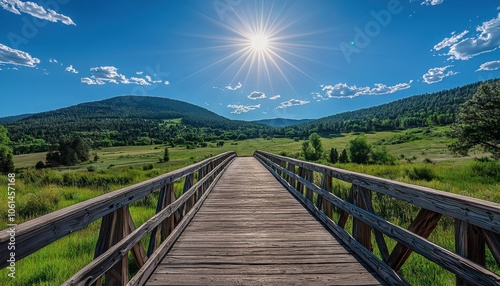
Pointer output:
x,y
251,231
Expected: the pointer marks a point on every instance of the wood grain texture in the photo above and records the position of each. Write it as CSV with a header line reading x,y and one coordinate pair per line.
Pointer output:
x,y
475,211
463,268
251,231
37,233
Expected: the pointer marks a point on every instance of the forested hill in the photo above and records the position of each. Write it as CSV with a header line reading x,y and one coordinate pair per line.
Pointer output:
x,y
282,122
437,108
123,120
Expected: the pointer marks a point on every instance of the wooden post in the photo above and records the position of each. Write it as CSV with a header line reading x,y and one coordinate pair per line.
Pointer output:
x,y
469,244
309,175
114,227
326,206
422,225
300,188
361,231
170,223
155,234
291,180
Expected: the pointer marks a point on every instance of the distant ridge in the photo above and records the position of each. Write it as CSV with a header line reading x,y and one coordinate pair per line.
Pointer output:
x,y
282,122
10,119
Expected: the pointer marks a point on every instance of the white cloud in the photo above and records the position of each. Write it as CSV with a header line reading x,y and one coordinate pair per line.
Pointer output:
x,y
167,82
487,39
150,80
292,102
16,57
139,73
35,10
435,75
256,95
489,66
139,81
52,61
342,90
238,86
432,2
71,69
90,81
448,42
275,97
238,109
109,74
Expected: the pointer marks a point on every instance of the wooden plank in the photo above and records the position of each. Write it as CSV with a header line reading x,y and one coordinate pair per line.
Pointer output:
x,y
371,260
464,268
379,236
423,225
493,241
39,232
360,230
119,250
469,244
475,211
155,259
227,244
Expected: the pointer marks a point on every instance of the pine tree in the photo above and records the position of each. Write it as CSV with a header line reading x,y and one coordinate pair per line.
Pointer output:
x,y
477,122
343,158
334,155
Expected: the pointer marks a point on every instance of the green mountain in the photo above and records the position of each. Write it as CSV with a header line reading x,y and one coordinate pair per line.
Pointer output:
x,y
432,109
10,119
282,122
124,120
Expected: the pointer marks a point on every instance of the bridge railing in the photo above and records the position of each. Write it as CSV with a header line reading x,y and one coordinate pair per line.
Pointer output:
x,y
477,222
118,234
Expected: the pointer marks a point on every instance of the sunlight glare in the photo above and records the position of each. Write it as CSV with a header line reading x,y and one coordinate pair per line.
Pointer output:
x,y
259,42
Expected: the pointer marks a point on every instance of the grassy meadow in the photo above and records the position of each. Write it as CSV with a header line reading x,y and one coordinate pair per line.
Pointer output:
x,y
418,151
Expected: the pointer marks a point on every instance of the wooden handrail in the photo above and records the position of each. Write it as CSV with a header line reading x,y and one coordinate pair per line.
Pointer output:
x,y
37,233
478,221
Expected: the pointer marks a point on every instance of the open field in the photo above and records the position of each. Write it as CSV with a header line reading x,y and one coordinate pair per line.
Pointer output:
x,y
43,191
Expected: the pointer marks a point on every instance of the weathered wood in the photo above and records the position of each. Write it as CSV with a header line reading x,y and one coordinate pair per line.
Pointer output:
x,y
493,241
381,268
309,175
326,206
263,243
118,251
155,234
143,274
464,268
138,251
422,225
291,179
344,216
361,231
469,244
478,212
39,232
379,236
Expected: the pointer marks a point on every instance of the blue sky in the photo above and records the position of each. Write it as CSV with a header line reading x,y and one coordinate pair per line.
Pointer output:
x,y
243,59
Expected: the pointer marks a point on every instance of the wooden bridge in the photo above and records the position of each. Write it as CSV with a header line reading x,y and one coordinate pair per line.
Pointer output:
x,y
268,220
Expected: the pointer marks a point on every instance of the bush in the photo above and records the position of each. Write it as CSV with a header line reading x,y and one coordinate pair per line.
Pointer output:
x,y
39,165
359,150
490,169
147,167
420,173
382,156
91,168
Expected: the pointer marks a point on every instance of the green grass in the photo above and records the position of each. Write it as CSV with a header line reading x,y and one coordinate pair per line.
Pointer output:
x,y
423,160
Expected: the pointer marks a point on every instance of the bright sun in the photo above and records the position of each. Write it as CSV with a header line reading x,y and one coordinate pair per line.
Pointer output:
x,y
259,43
